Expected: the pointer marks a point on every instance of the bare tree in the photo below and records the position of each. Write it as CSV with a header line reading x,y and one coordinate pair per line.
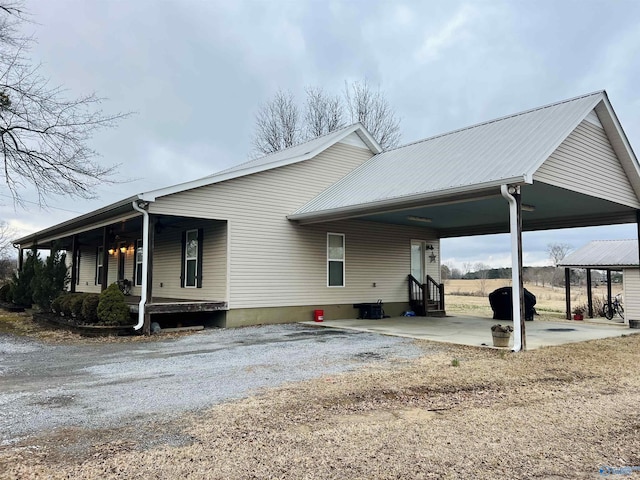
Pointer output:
x,y
277,124
482,272
323,113
44,134
557,252
371,108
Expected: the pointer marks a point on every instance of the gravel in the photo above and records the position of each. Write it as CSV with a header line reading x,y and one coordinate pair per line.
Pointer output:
x,y
43,387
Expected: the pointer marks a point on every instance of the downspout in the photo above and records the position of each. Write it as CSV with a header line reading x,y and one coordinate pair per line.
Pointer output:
x,y
145,264
515,267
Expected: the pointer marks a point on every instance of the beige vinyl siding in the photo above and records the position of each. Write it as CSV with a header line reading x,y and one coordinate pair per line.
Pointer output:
x,y
87,275
293,271
585,161
167,262
274,262
631,279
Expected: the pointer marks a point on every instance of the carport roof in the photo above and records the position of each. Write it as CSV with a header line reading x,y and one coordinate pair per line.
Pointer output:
x,y
612,254
465,162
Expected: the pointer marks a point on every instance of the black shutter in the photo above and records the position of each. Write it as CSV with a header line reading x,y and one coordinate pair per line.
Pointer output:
x,y
77,265
200,250
182,254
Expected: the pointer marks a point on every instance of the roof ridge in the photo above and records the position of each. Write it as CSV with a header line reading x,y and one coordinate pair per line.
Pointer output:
x,y
239,165
499,119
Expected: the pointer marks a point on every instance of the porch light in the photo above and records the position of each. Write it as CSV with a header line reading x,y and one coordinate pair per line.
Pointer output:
x,y
419,219
111,251
123,249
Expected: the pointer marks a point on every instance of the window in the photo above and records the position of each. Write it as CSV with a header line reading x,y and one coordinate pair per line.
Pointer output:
x,y
335,260
99,259
192,259
137,274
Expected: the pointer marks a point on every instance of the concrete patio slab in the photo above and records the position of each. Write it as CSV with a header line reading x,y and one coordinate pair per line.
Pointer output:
x,y
476,331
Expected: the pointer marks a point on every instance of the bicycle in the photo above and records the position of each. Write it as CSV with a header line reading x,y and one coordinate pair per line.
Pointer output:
x,y
610,309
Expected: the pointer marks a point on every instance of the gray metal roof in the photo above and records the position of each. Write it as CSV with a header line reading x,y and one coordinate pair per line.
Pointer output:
x,y
505,150
301,150
288,156
603,254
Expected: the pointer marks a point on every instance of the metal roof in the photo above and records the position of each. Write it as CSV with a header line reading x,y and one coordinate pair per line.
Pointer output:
x,y
604,254
288,156
506,150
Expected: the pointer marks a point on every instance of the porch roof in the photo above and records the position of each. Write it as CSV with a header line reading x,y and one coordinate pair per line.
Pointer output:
x,y
609,254
105,215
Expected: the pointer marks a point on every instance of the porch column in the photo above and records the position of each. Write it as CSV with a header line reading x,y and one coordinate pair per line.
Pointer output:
x,y
105,258
74,260
589,294
512,195
567,290
146,328
20,258
608,286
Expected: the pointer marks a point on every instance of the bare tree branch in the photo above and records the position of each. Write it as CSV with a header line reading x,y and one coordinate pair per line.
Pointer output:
x,y
323,113
44,135
276,124
372,109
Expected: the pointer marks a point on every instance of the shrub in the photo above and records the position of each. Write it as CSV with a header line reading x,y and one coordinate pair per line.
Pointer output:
x,y
112,309
65,304
5,293
21,284
50,279
75,305
90,308
56,304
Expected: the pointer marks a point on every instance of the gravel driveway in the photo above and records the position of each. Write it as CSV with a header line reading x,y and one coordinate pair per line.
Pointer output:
x,y
96,385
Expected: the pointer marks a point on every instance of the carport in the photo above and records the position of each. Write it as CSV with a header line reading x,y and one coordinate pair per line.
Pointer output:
x,y
476,331
564,165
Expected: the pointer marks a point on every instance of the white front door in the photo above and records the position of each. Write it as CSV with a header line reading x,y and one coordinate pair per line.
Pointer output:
x,y
417,260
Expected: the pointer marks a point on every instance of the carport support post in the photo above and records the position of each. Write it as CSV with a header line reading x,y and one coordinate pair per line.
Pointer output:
x,y
589,294
608,287
523,337
567,291
20,259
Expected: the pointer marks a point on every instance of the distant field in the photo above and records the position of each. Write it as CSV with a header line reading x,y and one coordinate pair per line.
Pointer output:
x,y
463,297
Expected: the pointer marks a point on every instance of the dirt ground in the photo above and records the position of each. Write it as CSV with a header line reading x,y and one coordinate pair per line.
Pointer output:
x,y
559,412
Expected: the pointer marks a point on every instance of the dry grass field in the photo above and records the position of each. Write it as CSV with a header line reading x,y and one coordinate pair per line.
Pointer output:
x,y
464,297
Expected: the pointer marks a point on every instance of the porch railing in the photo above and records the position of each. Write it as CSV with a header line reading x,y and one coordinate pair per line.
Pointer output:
x,y
435,293
425,297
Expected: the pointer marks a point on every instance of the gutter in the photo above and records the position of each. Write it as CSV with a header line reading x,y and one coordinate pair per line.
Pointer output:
x,y
515,266
145,264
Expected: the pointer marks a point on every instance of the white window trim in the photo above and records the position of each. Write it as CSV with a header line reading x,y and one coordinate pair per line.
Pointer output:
x,y
99,265
343,260
186,260
138,264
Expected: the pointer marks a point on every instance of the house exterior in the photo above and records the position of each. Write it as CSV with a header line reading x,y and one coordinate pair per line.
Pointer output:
x,y
335,221
611,255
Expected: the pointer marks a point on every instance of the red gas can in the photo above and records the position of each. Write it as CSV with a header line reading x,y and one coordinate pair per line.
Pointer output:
x,y
318,315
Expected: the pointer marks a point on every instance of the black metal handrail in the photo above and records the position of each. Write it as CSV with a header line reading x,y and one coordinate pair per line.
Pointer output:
x,y
435,292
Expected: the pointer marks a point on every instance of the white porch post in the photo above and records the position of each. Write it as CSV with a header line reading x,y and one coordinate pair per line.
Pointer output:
x,y
512,195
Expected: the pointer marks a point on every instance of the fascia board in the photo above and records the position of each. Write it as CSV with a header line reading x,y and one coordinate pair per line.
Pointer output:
x,y
410,201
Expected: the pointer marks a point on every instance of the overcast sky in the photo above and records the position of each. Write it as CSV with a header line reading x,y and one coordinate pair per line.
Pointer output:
x,y
195,73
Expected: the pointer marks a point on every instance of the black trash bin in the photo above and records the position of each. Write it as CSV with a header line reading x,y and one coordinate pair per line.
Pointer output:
x,y
501,303
370,310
